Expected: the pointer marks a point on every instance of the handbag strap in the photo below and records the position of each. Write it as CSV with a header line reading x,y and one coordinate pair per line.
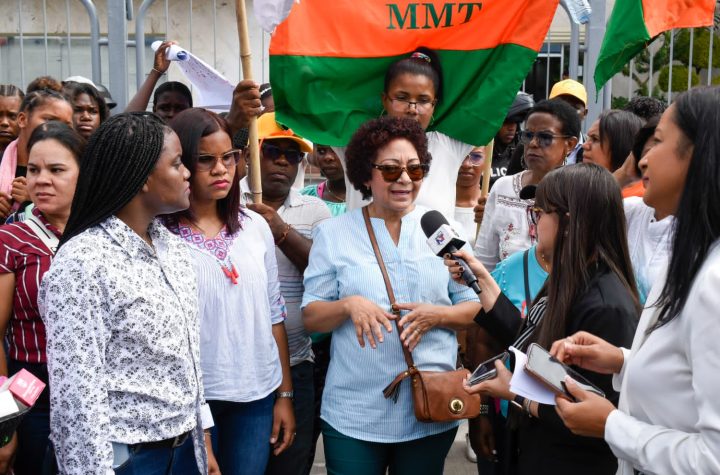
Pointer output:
x,y
528,300
388,285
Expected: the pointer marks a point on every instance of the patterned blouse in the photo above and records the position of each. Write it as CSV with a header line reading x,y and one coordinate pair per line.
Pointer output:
x,y
123,344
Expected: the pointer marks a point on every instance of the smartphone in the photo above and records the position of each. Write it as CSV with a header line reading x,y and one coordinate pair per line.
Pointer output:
x,y
551,372
486,370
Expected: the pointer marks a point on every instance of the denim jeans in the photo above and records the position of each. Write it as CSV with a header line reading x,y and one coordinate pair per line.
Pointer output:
x,y
34,431
160,461
294,459
241,436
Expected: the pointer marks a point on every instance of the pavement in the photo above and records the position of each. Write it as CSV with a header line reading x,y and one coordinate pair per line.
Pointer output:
x,y
455,464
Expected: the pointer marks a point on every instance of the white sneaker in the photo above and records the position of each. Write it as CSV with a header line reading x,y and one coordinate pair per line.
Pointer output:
x,y
469,452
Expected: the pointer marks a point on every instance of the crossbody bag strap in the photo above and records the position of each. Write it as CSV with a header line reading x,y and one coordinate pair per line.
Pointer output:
x,y
44,234
388,285
528,300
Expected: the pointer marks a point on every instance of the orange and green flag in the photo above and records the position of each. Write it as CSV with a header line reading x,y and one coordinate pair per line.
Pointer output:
x,y
634,24
328,61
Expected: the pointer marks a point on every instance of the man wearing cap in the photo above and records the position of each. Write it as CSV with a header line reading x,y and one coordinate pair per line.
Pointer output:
x,y
292,217
573,93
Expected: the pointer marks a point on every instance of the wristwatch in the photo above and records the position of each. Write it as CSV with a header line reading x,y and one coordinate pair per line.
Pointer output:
x,y
285,394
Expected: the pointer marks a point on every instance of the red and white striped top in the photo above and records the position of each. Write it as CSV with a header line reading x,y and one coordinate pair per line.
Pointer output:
x,y
25,255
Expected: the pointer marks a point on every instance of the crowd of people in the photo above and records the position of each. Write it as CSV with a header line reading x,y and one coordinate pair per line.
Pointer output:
x,y
183,327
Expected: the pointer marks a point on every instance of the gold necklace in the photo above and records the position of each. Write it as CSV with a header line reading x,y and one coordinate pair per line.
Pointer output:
x,y
327,188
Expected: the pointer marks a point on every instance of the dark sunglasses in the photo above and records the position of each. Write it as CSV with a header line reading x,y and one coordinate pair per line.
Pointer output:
x,y
391,173
273,152
206,162
544,139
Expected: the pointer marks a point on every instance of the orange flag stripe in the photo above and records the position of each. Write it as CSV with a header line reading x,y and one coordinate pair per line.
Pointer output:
x,y
388,28
663,15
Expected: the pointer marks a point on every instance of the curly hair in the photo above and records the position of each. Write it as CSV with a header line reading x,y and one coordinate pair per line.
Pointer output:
x,y
375,134
44,82
645,107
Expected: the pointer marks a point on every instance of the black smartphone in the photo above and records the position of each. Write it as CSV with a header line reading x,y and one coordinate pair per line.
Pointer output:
x,y
551,372
486,370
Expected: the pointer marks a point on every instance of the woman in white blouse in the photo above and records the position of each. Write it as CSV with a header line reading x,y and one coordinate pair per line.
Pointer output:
x,y
551,134
243,344
668,419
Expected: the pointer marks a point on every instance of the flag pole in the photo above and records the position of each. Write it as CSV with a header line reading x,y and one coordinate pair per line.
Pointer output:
x,y
486,173
245,60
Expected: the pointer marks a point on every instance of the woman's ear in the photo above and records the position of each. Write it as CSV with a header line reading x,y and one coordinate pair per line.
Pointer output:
x,y
22,120
571,144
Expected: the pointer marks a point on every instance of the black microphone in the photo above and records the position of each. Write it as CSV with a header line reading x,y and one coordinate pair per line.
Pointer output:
x,y
443,239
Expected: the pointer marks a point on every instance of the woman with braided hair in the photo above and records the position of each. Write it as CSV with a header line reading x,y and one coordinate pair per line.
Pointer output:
x,y
120,308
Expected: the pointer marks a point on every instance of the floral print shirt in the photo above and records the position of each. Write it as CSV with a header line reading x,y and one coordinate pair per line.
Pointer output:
x,y
123,344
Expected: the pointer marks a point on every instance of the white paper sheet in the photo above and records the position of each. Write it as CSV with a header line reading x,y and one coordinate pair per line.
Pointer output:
x,y
213,89
525,385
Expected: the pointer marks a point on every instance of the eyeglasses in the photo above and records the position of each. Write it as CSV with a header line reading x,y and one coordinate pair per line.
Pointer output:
x,y
273,152
206,162
421,105
544,139
476,158
391,173
534,214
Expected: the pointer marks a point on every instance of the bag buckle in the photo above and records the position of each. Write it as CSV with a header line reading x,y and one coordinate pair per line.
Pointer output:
x,y
456,405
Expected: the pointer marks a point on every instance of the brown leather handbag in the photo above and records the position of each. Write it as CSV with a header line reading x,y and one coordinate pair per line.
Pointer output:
x,y
438,396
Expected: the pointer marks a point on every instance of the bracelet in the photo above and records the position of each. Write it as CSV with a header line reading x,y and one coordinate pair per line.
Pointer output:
x,y
526,407
157,71
285,394
283,236
484,409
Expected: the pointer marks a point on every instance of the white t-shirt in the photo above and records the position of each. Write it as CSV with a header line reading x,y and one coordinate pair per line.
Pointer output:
x,y
438,188
649,243
505,229
468,227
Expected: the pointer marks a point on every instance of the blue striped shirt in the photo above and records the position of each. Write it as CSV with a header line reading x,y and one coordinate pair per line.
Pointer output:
x,y
342,264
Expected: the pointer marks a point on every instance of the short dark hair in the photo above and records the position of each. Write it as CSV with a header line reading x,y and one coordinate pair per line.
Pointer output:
x,y
191,125
641,138
562,111
172,86
77,88
372,136
618,129
645,107
421,62
61,132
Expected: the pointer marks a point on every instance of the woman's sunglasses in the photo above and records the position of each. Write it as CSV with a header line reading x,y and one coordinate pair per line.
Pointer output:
x,y
206,162
544,139
273,152
391,173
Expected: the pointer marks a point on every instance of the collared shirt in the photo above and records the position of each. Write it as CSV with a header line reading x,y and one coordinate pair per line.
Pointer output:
x,y
342,264
238,353
24,254
303,213
123,344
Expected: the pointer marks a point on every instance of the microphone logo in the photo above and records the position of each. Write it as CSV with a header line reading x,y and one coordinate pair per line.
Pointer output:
x,y
440,239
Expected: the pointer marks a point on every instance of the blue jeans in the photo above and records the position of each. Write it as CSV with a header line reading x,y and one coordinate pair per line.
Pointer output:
x,y
241,436
161,461
294,459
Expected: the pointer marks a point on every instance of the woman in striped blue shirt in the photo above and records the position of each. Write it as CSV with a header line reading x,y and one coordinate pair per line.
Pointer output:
x,y
363,432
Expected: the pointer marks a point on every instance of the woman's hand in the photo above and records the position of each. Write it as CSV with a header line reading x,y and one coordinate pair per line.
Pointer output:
x,y
369,320
283,420
455,267
213,467
161,63
421,319
497,387
20,190
586,417
590,352
479,209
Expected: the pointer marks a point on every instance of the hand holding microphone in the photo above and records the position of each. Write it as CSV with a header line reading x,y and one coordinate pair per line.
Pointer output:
x,y
443,240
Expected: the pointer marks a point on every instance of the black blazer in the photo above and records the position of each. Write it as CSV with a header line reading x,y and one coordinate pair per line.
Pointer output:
x,y
544,444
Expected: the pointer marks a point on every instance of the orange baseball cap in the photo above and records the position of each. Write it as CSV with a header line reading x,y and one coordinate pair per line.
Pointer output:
x,y
269,129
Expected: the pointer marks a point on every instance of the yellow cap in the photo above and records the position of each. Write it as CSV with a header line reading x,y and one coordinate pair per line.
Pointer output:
x,y
569,87
269,129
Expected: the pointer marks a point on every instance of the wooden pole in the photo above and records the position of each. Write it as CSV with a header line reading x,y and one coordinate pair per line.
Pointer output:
x,y
245,60
487,172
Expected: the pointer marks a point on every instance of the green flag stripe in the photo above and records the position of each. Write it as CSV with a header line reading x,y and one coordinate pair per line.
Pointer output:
x,y
625,37
326,99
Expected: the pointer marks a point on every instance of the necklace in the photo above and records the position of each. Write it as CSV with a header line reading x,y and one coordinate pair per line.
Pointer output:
x,y
330,191
226,264
230,271
544,263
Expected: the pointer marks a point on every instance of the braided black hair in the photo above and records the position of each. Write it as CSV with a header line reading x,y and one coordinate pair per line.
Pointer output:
x,y
11,90
39,97
118,159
